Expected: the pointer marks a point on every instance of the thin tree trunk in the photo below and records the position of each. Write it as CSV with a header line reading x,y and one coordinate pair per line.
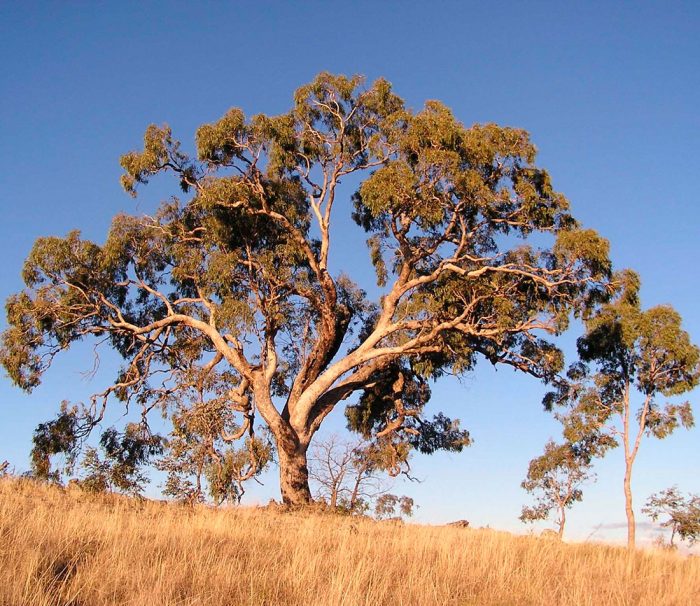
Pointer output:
x,y
631,527
562,522
354,495
630,457
356,488
294,475
630,454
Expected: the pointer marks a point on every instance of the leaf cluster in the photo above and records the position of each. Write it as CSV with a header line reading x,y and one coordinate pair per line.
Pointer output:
x,y
118,464
60,436
391,410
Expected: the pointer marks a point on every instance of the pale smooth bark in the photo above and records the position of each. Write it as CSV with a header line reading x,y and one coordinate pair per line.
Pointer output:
x,y
631,450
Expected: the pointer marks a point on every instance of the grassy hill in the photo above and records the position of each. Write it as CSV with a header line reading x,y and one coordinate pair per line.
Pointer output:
x,y
68,548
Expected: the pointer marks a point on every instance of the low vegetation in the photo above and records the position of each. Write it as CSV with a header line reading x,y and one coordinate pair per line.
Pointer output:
x,y
68,547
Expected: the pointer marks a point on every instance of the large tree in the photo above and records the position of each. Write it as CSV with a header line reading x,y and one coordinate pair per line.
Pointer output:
x,y
227,294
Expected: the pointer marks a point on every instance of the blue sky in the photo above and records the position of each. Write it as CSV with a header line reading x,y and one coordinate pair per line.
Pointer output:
x,y
609,91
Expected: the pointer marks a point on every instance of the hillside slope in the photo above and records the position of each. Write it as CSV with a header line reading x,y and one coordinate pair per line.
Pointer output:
x,y
65,547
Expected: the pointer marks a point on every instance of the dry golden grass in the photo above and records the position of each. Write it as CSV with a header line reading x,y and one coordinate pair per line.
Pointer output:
x,y
67,548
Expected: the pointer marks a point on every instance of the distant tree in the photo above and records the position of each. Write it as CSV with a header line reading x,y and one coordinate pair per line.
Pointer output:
x,y
331,463
386,506
629,358
119,463
682,513
351,475
231,292
556,477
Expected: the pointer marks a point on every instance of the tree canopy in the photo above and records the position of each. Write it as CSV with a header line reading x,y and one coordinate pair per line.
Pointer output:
x,y
225,299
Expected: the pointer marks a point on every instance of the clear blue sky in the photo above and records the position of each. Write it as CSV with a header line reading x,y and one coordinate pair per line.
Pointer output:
x,y
609,91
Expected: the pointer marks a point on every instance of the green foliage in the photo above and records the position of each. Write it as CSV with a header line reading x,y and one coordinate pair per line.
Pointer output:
x,y
59,436
682,513
197,451
124,456
555,477
227,473
226,296
387,504
630,349
160,151
396,400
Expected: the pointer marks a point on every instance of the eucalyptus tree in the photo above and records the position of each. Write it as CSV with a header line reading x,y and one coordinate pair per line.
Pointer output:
x,y
682,514
629,359
555,478
227,293
227,473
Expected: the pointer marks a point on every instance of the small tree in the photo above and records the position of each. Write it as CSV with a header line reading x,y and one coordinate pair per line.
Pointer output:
x,y
120,468
682,513
351,475
227,473
629,358
555,477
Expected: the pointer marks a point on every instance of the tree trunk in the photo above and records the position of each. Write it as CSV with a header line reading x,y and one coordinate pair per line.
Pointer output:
x,y
628,506
294,475
674,526
356,488
562,523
